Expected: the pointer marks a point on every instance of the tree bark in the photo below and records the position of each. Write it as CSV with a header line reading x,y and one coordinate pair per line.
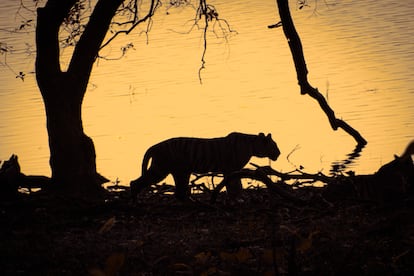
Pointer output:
x,y
72,153
302,72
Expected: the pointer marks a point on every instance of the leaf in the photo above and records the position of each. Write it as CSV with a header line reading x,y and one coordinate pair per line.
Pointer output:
x,y
211,271
112,266
228,257
306,243
267,257
202,258
114,263
181,268
21,76
107,225
241,256
96,272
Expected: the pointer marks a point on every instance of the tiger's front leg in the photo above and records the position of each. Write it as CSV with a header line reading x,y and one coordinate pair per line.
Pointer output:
x,y
182,189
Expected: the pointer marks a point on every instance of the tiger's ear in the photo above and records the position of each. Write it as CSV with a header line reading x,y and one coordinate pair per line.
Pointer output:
x,y
261,134
269,136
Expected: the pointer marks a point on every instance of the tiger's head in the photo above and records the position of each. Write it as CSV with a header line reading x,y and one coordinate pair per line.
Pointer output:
x,y
266,147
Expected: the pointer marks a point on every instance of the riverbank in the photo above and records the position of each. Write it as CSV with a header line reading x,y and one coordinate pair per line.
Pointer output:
x,y
258,234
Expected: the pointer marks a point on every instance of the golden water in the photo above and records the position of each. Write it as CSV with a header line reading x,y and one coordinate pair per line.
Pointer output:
x,y
359,54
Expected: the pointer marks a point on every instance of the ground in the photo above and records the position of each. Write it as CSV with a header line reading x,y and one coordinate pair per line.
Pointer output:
x,y
259,233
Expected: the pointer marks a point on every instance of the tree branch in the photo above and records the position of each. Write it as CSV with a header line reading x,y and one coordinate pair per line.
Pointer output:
x,y
134,22
296,174
202,11
296,49
49,19
91,40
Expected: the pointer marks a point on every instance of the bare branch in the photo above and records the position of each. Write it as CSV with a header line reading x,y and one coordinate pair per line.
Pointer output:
x,y
210,14
124,49
297,147
302,72
135,21
296,174
206,19
4,51
202,11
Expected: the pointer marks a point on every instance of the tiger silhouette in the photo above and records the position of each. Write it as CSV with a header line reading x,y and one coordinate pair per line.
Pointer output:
x,y
183,156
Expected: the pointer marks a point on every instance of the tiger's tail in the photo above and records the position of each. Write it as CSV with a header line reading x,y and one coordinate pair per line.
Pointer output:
x,y
136,185
145,161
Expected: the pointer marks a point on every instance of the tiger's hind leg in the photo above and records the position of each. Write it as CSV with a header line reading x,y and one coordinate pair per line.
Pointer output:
x,y
147,179
182,189
234,188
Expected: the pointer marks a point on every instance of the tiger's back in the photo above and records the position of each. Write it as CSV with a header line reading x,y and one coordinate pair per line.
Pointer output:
x,y
201,155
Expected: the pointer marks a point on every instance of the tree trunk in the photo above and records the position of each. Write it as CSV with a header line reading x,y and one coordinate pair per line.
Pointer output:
x,y
72,153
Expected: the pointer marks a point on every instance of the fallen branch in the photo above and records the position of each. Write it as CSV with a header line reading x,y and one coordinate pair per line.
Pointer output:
x,y
296,174
259,175
34,181
201,175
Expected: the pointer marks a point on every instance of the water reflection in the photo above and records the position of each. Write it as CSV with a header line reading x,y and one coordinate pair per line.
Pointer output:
x,y
339,167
